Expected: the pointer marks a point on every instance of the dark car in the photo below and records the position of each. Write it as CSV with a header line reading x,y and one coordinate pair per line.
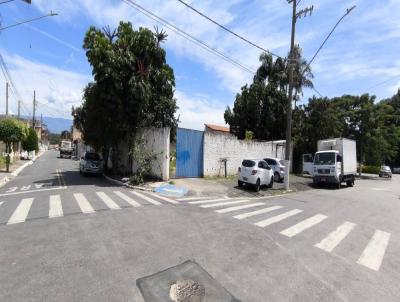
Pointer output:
x,y
90,163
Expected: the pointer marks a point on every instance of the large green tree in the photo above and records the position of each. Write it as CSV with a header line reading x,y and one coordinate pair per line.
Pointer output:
x,y
31,141
11,131
133,86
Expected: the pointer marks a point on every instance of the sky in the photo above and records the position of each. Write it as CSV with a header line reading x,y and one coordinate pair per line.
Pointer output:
x,y
47,55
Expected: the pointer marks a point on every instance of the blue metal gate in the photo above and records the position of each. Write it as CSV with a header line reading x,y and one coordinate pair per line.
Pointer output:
x,y
189,153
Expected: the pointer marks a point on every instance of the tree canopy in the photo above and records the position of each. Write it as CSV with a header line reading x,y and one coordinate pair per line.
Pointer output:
x,y
133,85
31,142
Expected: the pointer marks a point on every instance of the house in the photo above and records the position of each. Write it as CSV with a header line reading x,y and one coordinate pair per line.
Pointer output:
x,y
217,129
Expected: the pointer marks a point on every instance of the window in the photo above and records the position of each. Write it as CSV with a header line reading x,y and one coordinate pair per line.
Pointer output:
x,y
338,158
261,165
270,162
248,163
325,158
92,156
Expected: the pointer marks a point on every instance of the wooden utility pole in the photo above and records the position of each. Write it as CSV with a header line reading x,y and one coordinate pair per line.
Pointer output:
x,y
6,99
19,109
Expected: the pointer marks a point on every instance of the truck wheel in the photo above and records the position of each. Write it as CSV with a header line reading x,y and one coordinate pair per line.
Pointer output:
x,y
257,186
240,183
338,185
350,183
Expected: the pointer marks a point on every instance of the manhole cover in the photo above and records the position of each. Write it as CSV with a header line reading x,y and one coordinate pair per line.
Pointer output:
x,y
186,282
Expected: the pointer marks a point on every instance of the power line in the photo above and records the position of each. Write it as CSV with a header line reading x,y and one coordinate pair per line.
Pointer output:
x,y
227,29
187,36
383,82
28,21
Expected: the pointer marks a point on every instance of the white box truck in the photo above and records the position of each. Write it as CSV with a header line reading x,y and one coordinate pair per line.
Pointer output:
x,y
335,162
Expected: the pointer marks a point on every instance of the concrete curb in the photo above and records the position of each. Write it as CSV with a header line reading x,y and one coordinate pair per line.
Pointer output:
x,y
120,183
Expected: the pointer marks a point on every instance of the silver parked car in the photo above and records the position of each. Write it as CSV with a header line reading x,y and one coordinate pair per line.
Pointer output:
x,y
385,172
278,166
91,163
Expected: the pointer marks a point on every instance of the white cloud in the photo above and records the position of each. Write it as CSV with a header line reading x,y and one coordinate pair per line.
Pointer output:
x,y
194,112
57,90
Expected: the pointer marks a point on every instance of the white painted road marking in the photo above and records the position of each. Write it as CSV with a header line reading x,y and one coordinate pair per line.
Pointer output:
x,y
21,212
127,199
165,198
207,201
12,189
155,202
33,191
25,188
333,239
303,225
55,207
277,218
108,201
372,255
191,198
220,204
246,206
1,202
258,212
83,203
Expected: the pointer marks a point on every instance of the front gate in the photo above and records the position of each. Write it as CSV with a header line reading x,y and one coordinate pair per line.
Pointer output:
x,y
189,153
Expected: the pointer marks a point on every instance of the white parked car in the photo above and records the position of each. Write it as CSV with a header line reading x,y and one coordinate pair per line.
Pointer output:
x,y
255,172
278,166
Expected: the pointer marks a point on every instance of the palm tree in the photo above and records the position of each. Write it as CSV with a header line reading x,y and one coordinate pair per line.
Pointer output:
x,y
302,76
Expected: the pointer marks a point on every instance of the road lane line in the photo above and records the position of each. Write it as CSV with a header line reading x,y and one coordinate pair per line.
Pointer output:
x,y
21,212
220,204
333,239
108,201
164,198
372,255
83,203
127,199
246,206
277,218
191,198
55,207
258,212
1,202
155,202
303,225
33,191
209,200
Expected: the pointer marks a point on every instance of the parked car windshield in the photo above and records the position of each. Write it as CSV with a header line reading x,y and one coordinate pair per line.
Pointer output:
x,y
92,156
324,158
248,163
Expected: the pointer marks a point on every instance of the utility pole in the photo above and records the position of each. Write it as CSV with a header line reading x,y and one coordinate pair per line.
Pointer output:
x,y
34,108
19,109
288,147
6,99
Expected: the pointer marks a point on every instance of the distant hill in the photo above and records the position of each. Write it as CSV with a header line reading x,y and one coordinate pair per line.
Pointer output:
x,y
56,124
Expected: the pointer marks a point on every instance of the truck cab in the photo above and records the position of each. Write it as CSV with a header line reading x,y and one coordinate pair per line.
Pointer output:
x,y
327,167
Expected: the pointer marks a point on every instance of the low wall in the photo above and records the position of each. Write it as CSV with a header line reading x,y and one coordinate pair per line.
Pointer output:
x,y
157,140
220,146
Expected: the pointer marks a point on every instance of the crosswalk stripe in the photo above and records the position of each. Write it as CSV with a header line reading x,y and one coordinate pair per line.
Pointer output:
x,y
372,255
83,203
208,201
277,218
191,198
21,212
155,202
108,201
258,212
333,239
55,207
1,202
246,206
303,225
220,204
164,198
129,200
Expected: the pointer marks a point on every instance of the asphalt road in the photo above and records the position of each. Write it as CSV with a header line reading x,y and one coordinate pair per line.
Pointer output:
x,y
318,245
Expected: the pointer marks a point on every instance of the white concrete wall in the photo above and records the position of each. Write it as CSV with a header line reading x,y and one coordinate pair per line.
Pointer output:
x,y
217,146
157,140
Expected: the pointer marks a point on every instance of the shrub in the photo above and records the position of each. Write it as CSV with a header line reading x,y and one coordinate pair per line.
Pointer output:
x,y
370,169
30,143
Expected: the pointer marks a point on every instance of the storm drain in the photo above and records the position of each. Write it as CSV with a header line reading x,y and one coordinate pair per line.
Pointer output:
x,y
186,282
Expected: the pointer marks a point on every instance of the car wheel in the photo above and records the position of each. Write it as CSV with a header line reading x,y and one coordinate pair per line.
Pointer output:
x,y
271,183
350,183
257,186
240,183
338,185
277,177
380,174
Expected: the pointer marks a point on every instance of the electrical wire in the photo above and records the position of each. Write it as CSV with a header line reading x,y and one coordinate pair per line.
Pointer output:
x,y
187,36
227,29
